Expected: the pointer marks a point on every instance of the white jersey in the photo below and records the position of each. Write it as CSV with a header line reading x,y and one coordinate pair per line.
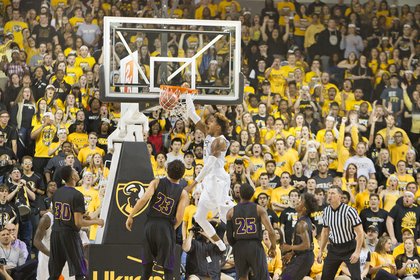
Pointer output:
x,y
220,163
42,270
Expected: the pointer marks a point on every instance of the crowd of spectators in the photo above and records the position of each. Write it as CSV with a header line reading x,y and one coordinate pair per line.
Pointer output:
x,y
332,98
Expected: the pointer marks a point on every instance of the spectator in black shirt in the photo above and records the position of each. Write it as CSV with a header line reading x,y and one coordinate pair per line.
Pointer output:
x,y
203,257
374,215
273,179
9,132
323,179
45,200
263,200
289,217
315,7
93,116
328,42
8,210
44,32
406,216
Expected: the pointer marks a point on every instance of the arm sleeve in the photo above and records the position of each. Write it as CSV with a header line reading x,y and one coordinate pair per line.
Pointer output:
x,y
354,217
206,169
229,233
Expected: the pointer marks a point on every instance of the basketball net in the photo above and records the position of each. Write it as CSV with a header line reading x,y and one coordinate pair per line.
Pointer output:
x,y
172,100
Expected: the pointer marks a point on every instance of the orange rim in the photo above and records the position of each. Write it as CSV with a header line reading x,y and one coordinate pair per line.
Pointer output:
x,y
178,90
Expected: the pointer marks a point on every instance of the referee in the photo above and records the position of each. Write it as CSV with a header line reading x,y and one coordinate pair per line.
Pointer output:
x,y
343,228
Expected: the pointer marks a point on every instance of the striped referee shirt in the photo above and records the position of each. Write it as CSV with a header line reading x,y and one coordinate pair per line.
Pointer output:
x,y
341,222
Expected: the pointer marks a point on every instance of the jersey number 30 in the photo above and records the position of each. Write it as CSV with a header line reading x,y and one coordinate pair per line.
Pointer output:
x,y
62,211
246,225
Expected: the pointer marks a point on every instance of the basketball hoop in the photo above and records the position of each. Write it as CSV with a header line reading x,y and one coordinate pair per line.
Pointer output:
x,y
172,100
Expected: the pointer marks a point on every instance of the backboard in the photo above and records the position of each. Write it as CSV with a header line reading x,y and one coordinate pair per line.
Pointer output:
x,y
140,54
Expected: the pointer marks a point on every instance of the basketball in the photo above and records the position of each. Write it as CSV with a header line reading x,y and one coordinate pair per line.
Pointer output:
x,y
168,100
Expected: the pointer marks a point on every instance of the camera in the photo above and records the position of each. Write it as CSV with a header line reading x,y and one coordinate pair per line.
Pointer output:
x,y
196,229
3,261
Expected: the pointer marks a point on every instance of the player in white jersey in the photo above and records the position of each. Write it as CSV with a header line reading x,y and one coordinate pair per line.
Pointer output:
x,y
42,243
215,180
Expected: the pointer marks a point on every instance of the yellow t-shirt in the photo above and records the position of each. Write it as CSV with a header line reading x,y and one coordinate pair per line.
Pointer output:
x,y
189,175
390,199
44,140
398,153
275,264
159,172
85,63
377,259
189,215
74,73
92,203
285,7
80,140
260,190
277,81
281,195
55,3
300,31
16,28
86,152
395,129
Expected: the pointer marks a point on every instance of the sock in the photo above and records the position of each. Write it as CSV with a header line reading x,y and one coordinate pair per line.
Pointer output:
x,y
221,245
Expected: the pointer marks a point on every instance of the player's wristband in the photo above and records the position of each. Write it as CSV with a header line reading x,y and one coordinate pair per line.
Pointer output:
x,y
194,117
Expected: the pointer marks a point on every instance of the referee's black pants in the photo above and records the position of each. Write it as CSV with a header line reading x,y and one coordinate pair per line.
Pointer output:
x,y
337,254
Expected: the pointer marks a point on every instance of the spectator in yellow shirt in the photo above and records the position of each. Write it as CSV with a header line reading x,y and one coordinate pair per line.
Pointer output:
x,y
87,152
382,263
16,26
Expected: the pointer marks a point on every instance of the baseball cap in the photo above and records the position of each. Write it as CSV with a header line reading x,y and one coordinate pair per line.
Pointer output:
x,y
15,168
351,25
239,161
373,228
50,86
266,82
409,193
49,114
407,229
15,51
407,26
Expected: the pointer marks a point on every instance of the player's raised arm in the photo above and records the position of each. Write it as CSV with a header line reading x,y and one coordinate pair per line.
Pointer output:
x,y
191,113
141,203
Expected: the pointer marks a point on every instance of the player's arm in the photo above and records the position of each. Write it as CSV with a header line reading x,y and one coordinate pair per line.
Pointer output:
x,y
80,221
217,147
192,114
323,242
141,203
302,232
229,227
183,203
267,224
43,226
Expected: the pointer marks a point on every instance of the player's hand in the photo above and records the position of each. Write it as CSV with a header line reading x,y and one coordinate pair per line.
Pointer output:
x,y
100,222
319,257
129,223
354,257
272,251
285,248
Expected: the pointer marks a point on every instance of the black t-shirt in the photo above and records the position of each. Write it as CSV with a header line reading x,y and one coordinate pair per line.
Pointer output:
x,y
274,182
44,34
272,216
203,259
380,177
410,269
323,183
296,180
9,214
377,219
65,202
288,218
405,217
93,121
317,220
36,181
10,133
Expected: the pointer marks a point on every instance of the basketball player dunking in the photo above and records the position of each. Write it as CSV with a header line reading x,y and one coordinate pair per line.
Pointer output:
x,y
215,180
